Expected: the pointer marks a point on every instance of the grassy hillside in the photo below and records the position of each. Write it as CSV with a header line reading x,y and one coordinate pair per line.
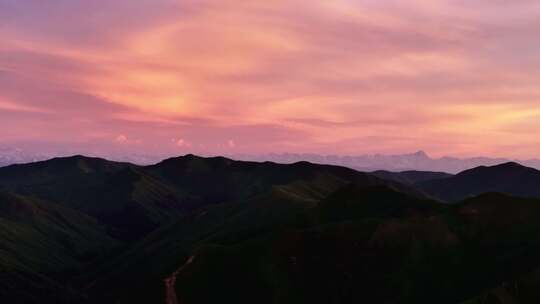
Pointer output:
x,y
42,244
203,230
358,244
121,196
417,253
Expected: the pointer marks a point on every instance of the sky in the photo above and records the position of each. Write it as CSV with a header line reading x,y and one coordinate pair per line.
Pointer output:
x,y
456,77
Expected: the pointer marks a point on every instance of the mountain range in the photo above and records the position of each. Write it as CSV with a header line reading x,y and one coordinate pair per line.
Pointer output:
x,y
418,161
191,229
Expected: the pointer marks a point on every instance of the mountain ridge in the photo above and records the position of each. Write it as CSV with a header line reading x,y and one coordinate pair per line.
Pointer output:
x,y
511,178
417,161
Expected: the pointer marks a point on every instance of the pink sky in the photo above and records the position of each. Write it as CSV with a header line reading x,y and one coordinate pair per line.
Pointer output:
x,y
457,77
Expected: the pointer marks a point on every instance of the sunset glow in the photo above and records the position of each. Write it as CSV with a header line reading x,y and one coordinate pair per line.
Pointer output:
x,y
453,77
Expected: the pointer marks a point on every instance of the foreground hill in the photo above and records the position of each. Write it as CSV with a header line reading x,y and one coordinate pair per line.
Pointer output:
x,y
510,178
415,253
206,230
40,244
359,244
120,204
138,274
131,200
122,196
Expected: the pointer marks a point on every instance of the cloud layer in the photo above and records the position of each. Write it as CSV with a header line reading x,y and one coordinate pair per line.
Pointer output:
x,y
345,77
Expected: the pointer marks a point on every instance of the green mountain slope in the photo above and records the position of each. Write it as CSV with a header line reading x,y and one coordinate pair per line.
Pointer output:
x,y
207,230
359,244
203,181
122,196
416,253
128,202
41,244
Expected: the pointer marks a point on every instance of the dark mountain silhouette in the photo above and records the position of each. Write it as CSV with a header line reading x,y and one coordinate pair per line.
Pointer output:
x,y
418,161
122,196
511,178
133,200
130,201
206,230
411,177
42,243
202,181
359,244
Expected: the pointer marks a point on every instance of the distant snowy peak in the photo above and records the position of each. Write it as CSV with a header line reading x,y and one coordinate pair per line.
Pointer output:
x,y
9,156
